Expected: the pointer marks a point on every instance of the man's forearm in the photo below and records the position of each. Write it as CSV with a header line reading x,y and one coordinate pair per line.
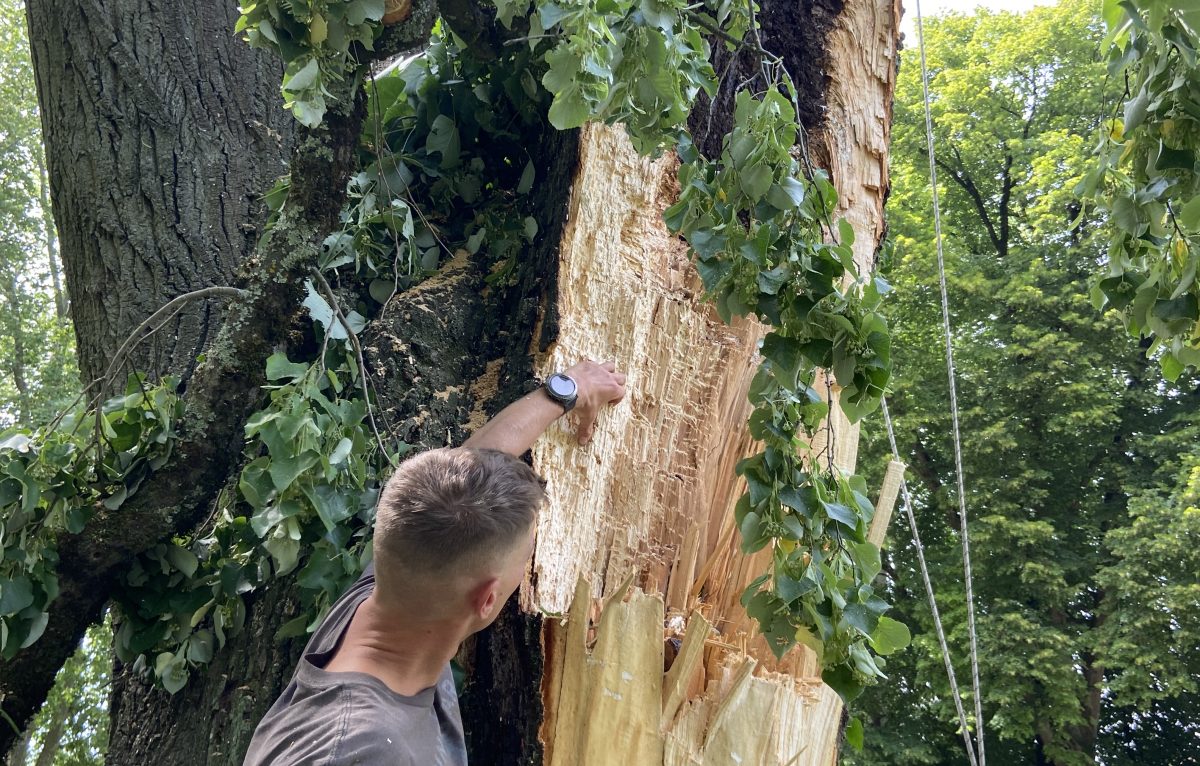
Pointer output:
x,y
517,426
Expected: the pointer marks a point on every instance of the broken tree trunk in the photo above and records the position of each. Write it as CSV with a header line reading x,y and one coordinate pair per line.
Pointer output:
x,y
651,500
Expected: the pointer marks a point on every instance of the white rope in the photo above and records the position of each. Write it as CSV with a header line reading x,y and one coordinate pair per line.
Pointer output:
x,y
963,724
958,468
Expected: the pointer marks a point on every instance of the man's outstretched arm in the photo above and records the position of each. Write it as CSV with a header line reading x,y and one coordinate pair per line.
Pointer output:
x,y
518,426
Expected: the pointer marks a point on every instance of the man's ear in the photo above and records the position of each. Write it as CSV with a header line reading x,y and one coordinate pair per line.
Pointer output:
x,y
487,594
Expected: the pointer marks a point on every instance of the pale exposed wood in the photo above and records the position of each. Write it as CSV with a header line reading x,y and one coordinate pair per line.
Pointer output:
x,y
679,677
886,502
652,497
611,696
662,460
683,571
730,704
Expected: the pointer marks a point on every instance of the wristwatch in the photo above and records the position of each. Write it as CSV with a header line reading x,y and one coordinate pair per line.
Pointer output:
x,y
562,389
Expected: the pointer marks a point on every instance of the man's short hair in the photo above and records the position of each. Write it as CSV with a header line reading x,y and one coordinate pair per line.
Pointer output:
x,y
449,509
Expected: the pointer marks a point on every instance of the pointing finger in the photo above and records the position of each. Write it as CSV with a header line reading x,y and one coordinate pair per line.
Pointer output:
x,y
587,419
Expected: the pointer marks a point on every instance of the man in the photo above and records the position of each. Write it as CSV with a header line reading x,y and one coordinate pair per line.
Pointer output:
x,y
453,536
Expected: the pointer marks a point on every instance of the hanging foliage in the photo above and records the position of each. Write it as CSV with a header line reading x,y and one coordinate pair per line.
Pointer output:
x,y
1146,178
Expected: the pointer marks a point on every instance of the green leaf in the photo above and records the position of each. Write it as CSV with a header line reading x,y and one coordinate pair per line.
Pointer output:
x,y
1172,368
443,138
285,469
331,505
890,636
309,112
755,180
785,354
341,451
183,560
841,513
789,589
297,626
794,499
36,628
16,594
285,551
842,680
752,534
527,176
1189,214
279,368
255,484
200,647
176,676
360,11
861,618
854,734
866,556
568,110
304,78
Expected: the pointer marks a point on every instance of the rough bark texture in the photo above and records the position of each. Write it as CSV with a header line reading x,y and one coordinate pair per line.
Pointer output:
x,y
803,47
212,719
162,131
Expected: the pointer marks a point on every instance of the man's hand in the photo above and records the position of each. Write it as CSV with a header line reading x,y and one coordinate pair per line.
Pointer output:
x,y
517,426
598,385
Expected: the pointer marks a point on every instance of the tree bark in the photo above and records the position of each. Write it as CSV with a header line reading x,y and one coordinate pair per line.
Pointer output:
x,y
225,388
162,131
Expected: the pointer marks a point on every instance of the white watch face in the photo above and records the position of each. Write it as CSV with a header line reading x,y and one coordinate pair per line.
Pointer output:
x,y
561,386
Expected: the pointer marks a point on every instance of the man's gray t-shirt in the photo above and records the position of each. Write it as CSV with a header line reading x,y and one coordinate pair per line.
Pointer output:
x,y
339,719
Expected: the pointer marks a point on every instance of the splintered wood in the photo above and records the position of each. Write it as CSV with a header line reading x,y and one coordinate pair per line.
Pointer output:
x,y
614,706
662,461
674,672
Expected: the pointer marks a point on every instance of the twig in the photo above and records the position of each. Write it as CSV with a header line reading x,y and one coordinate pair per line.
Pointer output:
x,y
526,39
155,322
362,367
10,721
722,34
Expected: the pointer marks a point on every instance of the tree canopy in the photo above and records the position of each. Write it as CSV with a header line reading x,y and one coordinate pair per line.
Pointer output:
x,y
1073,438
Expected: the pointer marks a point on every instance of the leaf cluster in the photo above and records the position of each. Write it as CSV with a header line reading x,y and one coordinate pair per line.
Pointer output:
x,y
307,491
316,40
1147,179
53,480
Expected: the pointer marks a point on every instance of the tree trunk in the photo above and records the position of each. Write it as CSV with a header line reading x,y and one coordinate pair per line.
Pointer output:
x,y
51,234
19,756
54,733
162,131
16,364
165,203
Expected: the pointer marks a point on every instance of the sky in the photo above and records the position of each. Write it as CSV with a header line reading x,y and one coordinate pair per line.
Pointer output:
x,y
908,23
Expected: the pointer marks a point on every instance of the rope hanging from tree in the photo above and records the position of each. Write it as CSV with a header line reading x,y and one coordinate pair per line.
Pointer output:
x,y
906,499
976,753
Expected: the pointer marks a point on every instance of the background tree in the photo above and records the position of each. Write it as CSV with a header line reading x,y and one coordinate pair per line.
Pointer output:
x,y
39,370
1064,419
